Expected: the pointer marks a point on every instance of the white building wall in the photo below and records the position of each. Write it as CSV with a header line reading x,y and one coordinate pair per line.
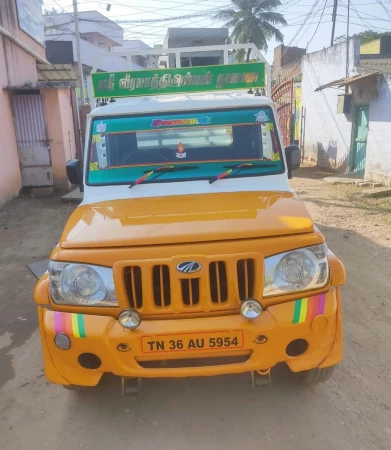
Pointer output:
x,y
378,162
89,22
90,53
327,134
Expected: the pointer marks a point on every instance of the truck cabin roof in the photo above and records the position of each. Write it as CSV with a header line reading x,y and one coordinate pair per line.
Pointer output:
x,y
181,102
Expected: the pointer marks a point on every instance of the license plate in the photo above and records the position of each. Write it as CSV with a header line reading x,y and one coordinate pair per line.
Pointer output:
x,y
221,340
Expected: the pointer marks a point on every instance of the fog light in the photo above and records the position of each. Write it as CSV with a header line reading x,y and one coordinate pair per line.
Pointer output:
x,y
251,309
129,319
62,341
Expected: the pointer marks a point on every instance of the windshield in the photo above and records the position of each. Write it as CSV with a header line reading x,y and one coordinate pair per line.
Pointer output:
x,y
123,149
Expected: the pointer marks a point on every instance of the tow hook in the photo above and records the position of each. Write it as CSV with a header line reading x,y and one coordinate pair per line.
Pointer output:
x,y
261,378
130,386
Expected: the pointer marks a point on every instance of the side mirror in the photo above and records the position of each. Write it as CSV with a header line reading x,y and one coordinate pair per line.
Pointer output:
x,y
75,172
293,158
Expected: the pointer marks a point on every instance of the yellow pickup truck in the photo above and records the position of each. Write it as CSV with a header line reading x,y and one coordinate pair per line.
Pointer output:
x,y
190,254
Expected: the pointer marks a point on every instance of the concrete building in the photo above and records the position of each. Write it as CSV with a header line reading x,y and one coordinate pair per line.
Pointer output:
x,y
147,62
99,36
377,46
194,37
36,116
347,115
286,63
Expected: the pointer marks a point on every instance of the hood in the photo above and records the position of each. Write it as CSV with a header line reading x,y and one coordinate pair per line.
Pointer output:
x,y
190,218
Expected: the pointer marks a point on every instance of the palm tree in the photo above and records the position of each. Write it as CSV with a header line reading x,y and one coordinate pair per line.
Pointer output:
x,y
48,11
252,21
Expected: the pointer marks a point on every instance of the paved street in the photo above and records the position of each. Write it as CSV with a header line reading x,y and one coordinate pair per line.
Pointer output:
x,y
350,411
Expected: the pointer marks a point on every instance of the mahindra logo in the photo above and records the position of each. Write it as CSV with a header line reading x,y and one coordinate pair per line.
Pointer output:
x,y
188,267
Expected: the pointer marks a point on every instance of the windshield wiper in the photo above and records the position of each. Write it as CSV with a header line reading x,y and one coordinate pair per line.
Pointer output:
x,y
240,167
161,170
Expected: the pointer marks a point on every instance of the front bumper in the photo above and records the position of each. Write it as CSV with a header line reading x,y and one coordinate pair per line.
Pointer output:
x,y
280,324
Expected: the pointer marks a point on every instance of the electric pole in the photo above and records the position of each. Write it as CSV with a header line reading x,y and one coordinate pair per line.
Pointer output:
x,y
334,20
79,62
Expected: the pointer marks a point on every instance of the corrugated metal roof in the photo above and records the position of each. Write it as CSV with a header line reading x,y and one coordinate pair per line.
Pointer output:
x,y
56,72
346,81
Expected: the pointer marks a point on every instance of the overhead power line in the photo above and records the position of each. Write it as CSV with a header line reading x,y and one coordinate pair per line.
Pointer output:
x,y
308,15
312,37
385,9
166,19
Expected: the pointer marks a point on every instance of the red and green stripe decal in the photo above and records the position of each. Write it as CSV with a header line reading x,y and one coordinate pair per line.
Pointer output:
x,y
307,308
70,324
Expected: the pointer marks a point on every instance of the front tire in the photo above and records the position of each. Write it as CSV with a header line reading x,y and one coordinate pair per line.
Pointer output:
x,y
317,375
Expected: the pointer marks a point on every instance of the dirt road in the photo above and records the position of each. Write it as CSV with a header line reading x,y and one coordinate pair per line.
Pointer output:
x,y
350,411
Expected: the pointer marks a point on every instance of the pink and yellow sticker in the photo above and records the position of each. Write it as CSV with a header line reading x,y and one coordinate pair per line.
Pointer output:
x,y
70,324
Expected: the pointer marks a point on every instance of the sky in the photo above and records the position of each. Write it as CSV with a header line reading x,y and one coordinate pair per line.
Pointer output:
x,y
303,30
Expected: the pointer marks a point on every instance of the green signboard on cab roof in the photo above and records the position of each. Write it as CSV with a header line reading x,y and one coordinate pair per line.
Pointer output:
x,y
172,81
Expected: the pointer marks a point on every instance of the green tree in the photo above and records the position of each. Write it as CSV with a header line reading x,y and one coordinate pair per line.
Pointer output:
x,y
252,21
370,35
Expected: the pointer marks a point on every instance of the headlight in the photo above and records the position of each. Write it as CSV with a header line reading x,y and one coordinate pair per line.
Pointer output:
x,y
297,270
250,309
129,319
81,284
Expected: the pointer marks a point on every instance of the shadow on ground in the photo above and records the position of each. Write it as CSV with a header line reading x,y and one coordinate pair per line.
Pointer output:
x,y
313,172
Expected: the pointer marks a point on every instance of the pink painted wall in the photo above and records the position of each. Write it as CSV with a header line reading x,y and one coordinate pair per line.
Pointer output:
x,y
10,178
64,98
16,69
59,122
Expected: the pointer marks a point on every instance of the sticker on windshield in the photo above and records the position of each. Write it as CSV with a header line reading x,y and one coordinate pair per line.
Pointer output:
x,y
95,138
181,151
101,127
269,127
204,120
94,166
275,153
261,117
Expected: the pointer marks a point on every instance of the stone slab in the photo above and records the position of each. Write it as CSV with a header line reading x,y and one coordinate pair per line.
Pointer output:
x,y
46,191
38,268
73,196
343,179
377,192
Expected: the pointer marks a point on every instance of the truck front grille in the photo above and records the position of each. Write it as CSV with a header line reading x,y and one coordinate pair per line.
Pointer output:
x,y
218,282
190,291
161,285
155,289
133,285
246,273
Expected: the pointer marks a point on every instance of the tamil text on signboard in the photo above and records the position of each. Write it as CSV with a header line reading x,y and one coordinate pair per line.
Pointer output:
x,y
169,81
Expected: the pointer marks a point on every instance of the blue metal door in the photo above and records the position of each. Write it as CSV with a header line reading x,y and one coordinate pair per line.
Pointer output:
x,y
360,139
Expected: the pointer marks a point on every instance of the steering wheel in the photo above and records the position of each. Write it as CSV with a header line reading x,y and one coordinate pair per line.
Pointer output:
x,y
144,156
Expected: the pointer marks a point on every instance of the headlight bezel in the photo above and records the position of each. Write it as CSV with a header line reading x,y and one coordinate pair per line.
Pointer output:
x,y
320,278
62,295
